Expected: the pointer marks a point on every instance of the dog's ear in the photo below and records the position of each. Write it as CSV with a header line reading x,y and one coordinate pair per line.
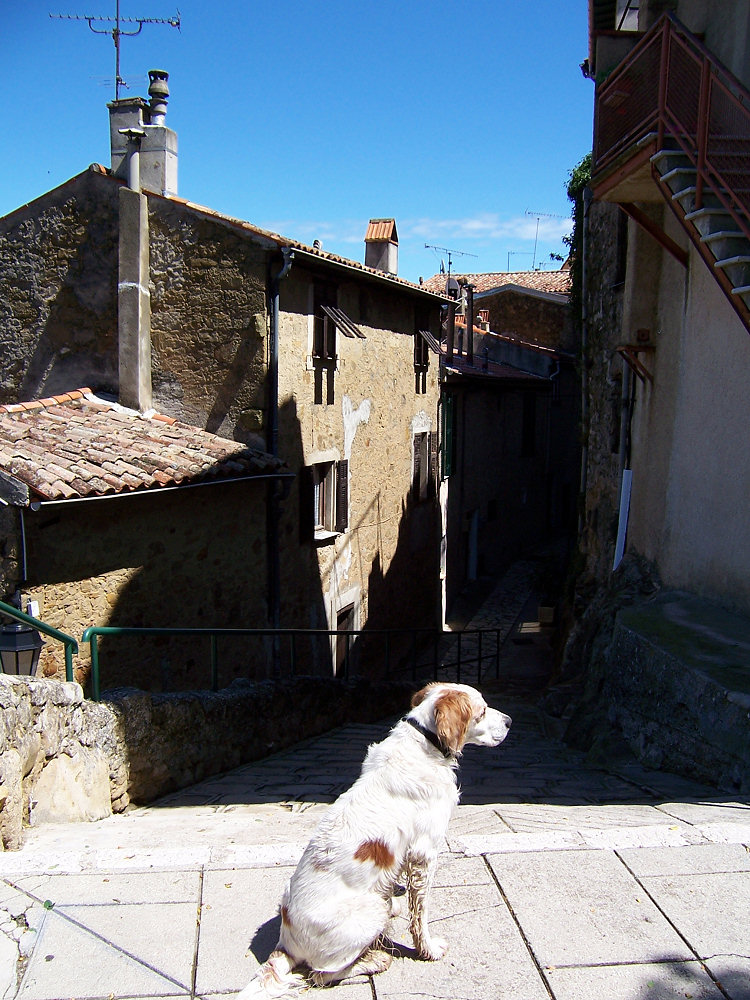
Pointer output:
x,y
419,696
453,713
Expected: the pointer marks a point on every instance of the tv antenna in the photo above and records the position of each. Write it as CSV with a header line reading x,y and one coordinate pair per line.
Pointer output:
x,y
117,32
461,253
538,216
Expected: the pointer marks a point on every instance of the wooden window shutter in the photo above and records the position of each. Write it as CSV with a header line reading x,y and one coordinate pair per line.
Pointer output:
x,y
432,448
417,469
306,505
342,495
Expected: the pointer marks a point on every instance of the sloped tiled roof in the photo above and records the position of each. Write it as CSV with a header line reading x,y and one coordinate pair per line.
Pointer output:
x,y
77,445
549,282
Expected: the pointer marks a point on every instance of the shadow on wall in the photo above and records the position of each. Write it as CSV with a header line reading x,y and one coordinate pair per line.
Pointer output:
x,y
406,595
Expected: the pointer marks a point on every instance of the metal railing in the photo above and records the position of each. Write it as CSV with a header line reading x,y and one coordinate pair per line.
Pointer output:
x,y
399,653
672,87
69,643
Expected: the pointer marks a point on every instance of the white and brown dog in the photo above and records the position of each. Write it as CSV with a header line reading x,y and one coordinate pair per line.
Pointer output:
x,y
387,829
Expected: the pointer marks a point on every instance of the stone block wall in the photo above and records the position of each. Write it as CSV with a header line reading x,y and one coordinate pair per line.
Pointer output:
x,y
59,757
530,318
58,291
65,759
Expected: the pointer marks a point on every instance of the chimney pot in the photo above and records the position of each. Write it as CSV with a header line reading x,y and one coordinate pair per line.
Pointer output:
x,y
158,91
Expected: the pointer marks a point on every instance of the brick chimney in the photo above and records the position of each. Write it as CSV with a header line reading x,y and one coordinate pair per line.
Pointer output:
x,y
381,246
137,129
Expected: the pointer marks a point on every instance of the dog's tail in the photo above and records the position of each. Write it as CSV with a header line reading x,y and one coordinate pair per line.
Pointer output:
x,y
274,979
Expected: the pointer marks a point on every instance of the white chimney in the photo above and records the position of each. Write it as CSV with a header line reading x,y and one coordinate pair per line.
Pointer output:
x,y
381,246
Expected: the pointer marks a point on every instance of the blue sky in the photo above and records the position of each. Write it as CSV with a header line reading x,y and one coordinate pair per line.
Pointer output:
x,y
461,120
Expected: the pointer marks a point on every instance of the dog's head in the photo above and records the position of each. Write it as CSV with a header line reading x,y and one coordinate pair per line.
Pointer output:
x,y
458,714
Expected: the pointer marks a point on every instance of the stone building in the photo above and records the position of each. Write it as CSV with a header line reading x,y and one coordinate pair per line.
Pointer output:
x,y
511,411
113,282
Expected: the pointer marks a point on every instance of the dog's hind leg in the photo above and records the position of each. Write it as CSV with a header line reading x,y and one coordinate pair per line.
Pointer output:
x,y
274,978
374,960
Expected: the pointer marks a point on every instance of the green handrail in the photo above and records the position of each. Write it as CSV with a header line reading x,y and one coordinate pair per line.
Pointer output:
x,y
70,644
93,632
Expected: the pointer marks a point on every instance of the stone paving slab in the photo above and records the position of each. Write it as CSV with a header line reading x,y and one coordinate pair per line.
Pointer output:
x,y
70,961
585,908
662,981
486,953
710,909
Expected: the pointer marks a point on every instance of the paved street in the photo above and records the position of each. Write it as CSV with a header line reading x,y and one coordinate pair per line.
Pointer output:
x,y
559,879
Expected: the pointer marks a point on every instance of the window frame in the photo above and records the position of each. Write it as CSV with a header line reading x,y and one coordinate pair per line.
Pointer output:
x,y
326,503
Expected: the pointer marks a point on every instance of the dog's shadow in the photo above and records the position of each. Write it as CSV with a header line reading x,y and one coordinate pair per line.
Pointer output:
x,y
265,939
267,935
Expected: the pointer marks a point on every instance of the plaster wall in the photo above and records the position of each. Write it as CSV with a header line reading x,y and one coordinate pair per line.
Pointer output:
x,y
691,469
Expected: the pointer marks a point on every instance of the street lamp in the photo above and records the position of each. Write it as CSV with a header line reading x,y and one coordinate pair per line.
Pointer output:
x,y
20,645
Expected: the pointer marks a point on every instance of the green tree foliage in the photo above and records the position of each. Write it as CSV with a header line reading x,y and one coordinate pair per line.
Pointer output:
x,y
578,180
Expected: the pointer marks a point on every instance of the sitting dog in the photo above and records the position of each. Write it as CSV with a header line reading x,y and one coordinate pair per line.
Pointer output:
x,y
388,828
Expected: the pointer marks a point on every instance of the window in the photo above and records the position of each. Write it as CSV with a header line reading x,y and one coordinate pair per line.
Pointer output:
x,y
424,463
324,503
424,342
324,327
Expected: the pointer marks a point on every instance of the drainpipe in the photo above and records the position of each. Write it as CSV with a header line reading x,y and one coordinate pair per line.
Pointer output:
x,y
273,504
584,361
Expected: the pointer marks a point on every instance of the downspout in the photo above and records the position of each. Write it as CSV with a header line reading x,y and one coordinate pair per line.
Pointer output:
x,y
273,505
587,195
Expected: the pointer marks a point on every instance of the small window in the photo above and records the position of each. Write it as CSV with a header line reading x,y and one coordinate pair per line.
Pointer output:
x,y
324,328
326,508
424,463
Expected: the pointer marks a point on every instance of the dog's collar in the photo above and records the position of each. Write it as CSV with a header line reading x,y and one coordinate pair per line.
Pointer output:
x,y
430,737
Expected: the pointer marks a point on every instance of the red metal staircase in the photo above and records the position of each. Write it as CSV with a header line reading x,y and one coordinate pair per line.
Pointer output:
x,y
672,111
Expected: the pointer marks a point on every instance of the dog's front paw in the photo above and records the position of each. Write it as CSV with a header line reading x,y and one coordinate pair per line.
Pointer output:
x,y
433,950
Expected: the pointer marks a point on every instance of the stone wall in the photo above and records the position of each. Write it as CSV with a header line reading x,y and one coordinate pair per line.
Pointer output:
x,y
604,376
58,291
64,759
208,321
531,318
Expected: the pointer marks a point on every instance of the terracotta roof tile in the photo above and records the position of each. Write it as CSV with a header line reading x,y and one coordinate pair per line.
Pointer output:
x,y
551,282
75,445
381,229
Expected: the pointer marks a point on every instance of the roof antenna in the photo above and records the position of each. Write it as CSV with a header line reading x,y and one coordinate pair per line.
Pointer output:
x,y
117,32
540,215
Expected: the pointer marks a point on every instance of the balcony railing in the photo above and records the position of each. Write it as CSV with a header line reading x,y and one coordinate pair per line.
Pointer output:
x,y
671,87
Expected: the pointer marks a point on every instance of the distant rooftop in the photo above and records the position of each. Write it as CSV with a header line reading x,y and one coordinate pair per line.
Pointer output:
x,y
549,282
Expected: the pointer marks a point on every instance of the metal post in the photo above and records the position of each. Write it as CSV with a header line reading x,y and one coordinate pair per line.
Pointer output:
x,y
94,668
214,665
